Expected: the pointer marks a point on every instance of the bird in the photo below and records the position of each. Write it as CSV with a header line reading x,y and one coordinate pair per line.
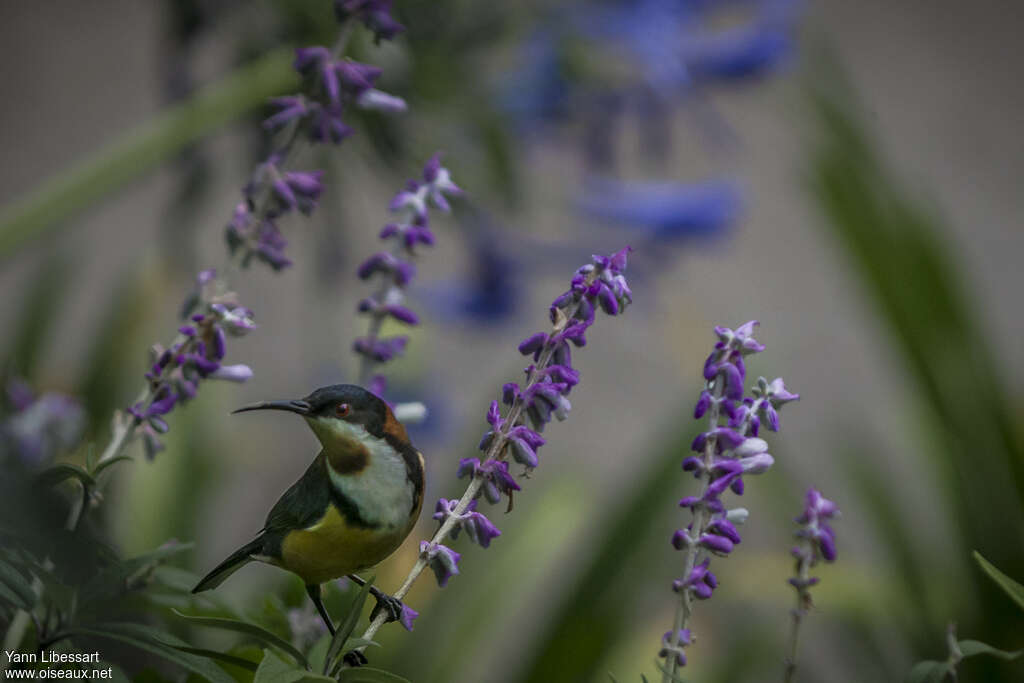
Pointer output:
x,y
354,506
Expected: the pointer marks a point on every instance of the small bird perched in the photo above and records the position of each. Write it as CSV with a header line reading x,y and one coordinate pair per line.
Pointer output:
x,y
353,507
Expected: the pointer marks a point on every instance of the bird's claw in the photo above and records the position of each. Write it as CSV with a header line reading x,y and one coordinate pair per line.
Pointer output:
x,y
392,607
354,658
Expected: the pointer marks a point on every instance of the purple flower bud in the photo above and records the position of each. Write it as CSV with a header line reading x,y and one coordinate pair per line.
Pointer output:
x,y
533,345
509,393
723,527
377,100
287,109
233,373
480,529
408,615
716,544
443,561
703,403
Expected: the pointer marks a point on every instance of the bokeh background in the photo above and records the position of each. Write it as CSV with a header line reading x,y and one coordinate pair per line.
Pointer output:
x,y
849,176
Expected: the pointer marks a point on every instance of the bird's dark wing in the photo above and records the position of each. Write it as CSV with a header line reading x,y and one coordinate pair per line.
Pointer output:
x,y
304,503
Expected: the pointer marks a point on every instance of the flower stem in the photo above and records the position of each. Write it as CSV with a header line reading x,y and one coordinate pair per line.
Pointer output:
x,y
803,602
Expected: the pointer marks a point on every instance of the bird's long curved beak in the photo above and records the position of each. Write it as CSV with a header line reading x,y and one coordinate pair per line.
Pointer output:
x,y
297,407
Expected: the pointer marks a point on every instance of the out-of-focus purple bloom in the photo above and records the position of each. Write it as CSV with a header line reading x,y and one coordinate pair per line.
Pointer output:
x,y
286,110
408,616
672,647
442,560
815,528
40,427
668,210
394,269
375,14
376,100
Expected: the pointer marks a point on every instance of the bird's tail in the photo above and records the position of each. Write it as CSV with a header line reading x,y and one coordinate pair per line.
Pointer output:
x,y
235,561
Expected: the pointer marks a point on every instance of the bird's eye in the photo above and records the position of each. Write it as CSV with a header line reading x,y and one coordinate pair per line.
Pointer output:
x,y
343,409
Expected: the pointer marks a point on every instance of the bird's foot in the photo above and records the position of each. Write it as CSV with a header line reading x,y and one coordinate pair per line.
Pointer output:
x,y
391,606
354,658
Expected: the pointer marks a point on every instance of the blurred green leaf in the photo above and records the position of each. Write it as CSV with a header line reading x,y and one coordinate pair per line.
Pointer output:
x,y
15,588
253,631
972,648
52,476
1009,586
40,308
902,257
365,674
155,642
222,657
273,669
104,465
144,148
593,615
346,626
928,672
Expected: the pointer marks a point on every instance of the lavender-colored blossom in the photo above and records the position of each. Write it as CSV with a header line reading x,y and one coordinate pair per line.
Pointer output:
x,y
727,451
816,543
495,476
442,560
408,616
375,14
394,270
176,372
40,427
672,646
479,529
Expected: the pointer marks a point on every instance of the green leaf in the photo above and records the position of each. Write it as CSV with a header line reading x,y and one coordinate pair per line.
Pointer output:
x,y
365,674
104,465
144,148
253,631
58,473
150,640
1009,586
971,648
273,669
15,588
928,672
216,655
346,626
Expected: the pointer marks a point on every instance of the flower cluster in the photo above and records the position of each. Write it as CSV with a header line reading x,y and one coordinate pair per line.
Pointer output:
x,y
212,314
394,269
38,427
729,450
543,396
332,83
818,539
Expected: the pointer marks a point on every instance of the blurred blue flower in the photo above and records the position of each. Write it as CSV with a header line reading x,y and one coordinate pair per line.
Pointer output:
x,y
40,427
666,210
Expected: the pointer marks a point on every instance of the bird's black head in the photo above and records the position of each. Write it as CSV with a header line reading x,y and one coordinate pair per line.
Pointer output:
x,y
337,410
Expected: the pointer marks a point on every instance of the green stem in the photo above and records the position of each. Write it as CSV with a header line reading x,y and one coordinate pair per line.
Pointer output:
x,y
144,148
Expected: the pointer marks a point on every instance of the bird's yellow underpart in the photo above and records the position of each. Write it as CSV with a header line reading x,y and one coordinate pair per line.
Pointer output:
x,y
332,548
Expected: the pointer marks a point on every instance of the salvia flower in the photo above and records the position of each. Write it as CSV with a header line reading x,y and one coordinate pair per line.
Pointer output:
x,y
332,83
816,543
509,435
541,397
726,452
442,560
212,314
394,270
39,427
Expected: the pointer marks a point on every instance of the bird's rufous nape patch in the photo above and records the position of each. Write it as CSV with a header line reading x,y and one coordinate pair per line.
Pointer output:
x,y
393,427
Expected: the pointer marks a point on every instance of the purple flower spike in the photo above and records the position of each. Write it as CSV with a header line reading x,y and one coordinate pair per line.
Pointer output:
x,y
375,15
727,451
